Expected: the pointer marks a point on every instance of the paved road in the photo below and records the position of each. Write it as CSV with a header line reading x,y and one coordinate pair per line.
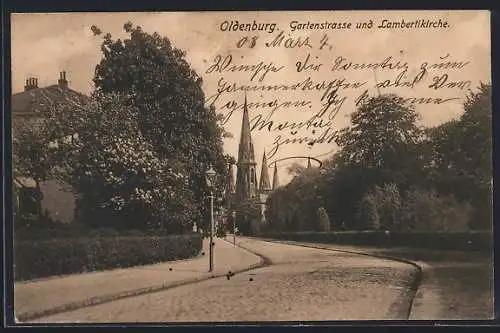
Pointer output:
x,y
301,284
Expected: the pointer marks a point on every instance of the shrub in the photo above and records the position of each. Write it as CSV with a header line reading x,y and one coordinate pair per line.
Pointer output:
x,y
323,219
59,256
426,210
388,201
255,227
368,213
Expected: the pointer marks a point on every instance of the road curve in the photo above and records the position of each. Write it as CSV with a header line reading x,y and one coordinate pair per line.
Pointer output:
x,y
300,284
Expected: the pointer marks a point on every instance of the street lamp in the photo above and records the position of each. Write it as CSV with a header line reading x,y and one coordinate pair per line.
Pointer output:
x,y
210,178
234,227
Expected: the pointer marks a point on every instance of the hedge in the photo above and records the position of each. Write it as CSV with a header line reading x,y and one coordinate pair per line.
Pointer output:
x,y
60,256
469,241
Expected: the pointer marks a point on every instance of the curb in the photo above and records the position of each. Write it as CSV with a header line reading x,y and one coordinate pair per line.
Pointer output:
x,y
264,261
417,281
97,300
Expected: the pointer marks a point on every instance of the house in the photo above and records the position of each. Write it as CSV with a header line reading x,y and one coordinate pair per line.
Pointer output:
x,y
54,197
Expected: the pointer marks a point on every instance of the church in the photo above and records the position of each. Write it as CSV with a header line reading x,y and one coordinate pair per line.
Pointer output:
x,y
247,188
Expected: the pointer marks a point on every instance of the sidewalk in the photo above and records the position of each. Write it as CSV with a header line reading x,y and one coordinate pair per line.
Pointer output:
x,y
54,295
455,284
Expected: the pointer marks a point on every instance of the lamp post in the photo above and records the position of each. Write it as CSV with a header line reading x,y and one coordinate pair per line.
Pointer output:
x,y
234,227
210,182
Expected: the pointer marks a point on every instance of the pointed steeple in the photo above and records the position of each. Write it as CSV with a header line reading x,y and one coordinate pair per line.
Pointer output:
x,y
265,183
246,179
275,178
246,151
309,163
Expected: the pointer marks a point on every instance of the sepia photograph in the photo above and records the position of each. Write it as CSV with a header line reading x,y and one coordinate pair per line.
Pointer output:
x,y
251,166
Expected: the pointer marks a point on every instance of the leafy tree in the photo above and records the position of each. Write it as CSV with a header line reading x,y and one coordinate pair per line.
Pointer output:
x,y
248,213
36,151
32,155
384,135
295,169
119,178
169,97
460,162
294,207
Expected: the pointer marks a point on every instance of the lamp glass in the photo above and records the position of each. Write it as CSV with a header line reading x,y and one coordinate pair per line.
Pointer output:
x,y
210,176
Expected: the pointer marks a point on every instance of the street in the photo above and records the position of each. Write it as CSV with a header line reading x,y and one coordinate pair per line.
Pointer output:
x,y
299,284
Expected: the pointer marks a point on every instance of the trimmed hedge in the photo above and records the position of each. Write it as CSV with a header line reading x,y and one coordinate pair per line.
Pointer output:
x,y
469,241
60,256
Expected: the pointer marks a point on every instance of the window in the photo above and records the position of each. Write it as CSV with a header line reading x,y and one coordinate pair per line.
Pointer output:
x,y
28,201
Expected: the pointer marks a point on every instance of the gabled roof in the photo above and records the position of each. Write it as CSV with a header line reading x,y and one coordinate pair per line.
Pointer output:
x,y
24,102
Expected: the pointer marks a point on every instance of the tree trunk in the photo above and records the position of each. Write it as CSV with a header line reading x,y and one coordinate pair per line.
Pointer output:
x,y
38,198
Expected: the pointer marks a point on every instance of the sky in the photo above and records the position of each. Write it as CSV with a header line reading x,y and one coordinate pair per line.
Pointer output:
x,y
45,44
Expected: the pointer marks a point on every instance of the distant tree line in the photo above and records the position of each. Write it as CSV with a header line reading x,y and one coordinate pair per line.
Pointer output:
x,y
390,173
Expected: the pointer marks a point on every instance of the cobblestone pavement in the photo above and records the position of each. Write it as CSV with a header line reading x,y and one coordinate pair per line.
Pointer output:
x,y
301,284
456,285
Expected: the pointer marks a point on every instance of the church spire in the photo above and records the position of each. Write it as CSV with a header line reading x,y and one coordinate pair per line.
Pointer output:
x,y
275,178
265,184
308,163
246,179
246,151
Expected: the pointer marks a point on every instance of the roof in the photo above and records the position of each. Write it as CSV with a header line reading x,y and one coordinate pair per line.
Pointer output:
x,y
24,102
24,182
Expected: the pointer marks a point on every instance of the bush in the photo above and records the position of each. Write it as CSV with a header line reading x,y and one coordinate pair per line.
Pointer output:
x,y
415,210
323,219
368,213
60,256
388,201
426,210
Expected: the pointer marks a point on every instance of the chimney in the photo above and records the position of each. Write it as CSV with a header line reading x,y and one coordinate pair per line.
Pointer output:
x,y
31,83
62,79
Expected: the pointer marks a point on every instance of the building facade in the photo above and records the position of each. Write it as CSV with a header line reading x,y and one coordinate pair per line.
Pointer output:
x,y
247,189
54,198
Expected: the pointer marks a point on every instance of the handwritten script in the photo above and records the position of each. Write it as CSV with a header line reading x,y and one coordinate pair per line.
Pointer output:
x,y
303,80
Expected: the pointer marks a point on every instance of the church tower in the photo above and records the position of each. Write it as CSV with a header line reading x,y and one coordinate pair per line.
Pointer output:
x,y
246,179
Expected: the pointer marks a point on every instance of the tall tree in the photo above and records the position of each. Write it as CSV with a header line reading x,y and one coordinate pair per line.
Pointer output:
x,y
461,159
119,179
383,134
169,96
382,145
